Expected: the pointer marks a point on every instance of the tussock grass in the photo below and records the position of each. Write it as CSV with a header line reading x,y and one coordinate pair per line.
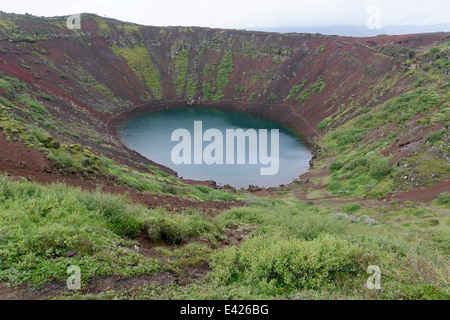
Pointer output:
x,y
40,224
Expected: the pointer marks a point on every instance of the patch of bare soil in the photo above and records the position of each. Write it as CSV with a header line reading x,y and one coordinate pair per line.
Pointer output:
x,y
236,234
421,195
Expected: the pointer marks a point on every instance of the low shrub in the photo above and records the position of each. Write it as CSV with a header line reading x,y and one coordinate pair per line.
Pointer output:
x,y
335,186
444,199
335,165
324,123
169,189
349,136
379,167
278,264
432,137
177,228
63,157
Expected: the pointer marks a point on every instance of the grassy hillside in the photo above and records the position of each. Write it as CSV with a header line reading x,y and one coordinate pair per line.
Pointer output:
x,y
294,250
374,110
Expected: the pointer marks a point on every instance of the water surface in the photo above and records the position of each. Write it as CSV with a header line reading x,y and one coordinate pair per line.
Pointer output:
x,y
150,135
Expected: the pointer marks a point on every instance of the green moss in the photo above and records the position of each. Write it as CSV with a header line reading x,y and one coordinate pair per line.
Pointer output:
x,y
139,61
318,85
25,99
212,89
302,97
103,89
46,96
207,90
71,134
103,29
224,70
129,30
296,89
183,82
6,85
252,96
255,78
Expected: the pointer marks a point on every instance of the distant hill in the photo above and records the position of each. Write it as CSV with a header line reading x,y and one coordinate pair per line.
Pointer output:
x,y
360,31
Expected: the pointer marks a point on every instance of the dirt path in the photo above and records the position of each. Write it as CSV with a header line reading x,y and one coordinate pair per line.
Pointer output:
x,y
422,195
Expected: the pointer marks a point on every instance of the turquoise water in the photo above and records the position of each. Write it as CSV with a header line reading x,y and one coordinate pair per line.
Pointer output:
x,y
150,135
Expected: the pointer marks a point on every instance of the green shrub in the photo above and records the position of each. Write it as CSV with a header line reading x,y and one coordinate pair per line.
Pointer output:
x,y
46,96
250,99
162,173
218,195
64,158
177,229
335,186
274,218
349,136
5,102
432,137
379,167
324,123
107,162
278,264
203,189
355,163
169,189
351,207
435,50
296,89
40,134
444,199
335,165
407,63
120,216
25,99
6,85
303,96
318,85
412,102
225,69
72,134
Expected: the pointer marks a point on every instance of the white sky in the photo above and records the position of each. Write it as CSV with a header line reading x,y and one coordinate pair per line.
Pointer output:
x,y
241,14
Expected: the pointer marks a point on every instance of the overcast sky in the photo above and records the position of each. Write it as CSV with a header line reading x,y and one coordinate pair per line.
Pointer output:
x,y
248,14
